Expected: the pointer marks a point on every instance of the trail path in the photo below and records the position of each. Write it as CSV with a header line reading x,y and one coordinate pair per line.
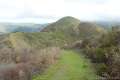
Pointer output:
x,y
71,66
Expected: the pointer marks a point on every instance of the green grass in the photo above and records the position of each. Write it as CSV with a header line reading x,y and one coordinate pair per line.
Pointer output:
x,y
39,39
71,66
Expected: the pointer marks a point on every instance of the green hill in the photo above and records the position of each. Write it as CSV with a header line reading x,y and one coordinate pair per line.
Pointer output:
x,y
63,24
61,33
73,27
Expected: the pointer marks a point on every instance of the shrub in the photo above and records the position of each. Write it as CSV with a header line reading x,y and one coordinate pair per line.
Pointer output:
x,y
21,65
19,71
106,53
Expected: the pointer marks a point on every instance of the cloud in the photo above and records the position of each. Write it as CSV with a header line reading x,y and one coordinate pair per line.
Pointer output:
x,y
46,7
54,9
10,8
87,10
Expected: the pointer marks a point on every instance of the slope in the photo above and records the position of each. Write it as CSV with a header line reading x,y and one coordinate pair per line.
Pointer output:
x,y
63,24
61,33
73,27
89,29
38,39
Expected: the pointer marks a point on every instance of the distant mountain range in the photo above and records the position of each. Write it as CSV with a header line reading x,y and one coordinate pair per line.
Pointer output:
x,y
66,21
20,27
108,24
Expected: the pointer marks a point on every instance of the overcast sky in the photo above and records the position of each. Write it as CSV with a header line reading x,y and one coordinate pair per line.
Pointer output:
x,y
50,10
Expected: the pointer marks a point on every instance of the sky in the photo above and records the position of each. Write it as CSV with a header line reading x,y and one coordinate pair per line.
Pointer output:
x,y
44,11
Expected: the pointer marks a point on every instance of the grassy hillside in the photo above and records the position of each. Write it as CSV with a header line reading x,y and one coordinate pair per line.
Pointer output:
x,y
71,66
63,24
74,28
39,39
62,33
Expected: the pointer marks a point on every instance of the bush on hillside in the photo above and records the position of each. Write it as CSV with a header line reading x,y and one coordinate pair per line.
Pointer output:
x,y
26,62
105,51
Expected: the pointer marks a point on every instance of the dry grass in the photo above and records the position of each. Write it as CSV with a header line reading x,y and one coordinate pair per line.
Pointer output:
x,y
26,63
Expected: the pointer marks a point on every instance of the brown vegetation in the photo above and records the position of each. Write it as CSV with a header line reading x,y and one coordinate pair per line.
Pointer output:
x,y
105,53
22,65
19,71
